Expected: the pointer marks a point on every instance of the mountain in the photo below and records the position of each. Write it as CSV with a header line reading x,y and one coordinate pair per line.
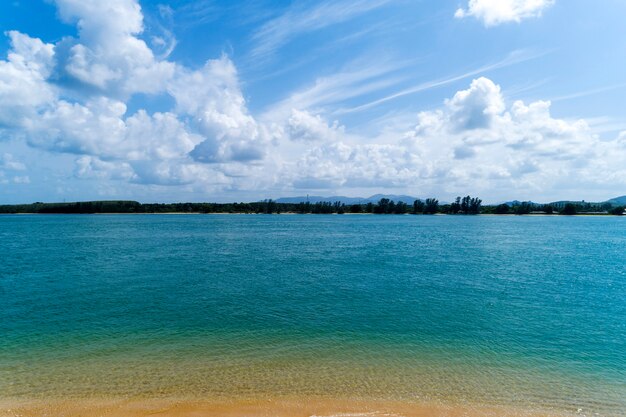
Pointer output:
x,y
404,198
318,199
618,201
347,200
517,203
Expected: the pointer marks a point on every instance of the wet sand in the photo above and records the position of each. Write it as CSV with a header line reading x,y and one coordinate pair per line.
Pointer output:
x,y
284,407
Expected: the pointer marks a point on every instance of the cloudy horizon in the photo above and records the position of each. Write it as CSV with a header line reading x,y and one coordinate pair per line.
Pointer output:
x,y
199,100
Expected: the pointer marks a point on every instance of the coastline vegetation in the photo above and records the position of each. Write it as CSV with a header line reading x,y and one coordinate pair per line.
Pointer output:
x,y
460,206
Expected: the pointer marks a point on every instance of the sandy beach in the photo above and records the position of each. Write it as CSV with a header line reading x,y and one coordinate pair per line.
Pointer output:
x,y
283,407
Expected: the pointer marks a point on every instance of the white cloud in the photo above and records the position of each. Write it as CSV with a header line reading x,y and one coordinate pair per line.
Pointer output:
x,y
521,147
475,143
100,130
513,58
349,165
8,162
477,106
23,86
97,73
303,126
108,56
23,179
298,20
93,167
93,128
495,12
72,98
212,96
359,78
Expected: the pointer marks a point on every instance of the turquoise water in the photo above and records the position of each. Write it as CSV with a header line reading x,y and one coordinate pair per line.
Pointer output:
x,y
521,311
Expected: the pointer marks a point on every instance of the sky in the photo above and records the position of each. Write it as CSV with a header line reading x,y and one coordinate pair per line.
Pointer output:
x,y
215,100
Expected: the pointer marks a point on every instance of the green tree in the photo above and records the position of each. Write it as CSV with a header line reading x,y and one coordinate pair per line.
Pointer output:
x,y
383,206
523,208
568,210
339,207
401,207
418,207
270,206
474,205
431,206
502,209
456,206
356,208
465,204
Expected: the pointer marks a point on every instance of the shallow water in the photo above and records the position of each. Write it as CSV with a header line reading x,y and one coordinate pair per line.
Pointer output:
x,y
514,311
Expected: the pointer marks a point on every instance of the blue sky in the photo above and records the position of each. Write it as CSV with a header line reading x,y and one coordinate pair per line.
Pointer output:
x,y
206,100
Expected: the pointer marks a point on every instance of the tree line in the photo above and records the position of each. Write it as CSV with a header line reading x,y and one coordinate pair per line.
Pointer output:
x,y
460,206
384,206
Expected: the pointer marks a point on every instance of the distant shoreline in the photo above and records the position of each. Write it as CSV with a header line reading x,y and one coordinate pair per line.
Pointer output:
x,y
197,213
430,206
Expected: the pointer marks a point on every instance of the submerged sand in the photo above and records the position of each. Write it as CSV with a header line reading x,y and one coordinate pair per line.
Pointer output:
x,y
283,407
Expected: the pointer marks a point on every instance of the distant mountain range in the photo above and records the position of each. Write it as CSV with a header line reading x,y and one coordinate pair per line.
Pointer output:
x,y
347,200
617,201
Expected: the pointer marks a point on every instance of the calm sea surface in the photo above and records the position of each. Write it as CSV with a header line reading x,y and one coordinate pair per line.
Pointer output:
x,y
521,311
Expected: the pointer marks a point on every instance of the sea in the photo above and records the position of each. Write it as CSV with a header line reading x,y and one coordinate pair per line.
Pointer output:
x,y
519,311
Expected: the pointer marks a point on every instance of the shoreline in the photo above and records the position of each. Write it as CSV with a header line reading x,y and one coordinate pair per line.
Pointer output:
x,y
292,213
258,407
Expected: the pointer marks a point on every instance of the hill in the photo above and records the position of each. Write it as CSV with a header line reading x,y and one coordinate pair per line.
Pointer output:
x,y
318,199
618,201
346,200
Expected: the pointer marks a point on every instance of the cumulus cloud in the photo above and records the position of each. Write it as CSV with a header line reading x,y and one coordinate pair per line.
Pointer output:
x,y
474,142
134,148
23,179
213,98
371,165
495,12
108,56
520,146
477,106
303,126
9,167
8,162
72,97
93,128
93,167
23,86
